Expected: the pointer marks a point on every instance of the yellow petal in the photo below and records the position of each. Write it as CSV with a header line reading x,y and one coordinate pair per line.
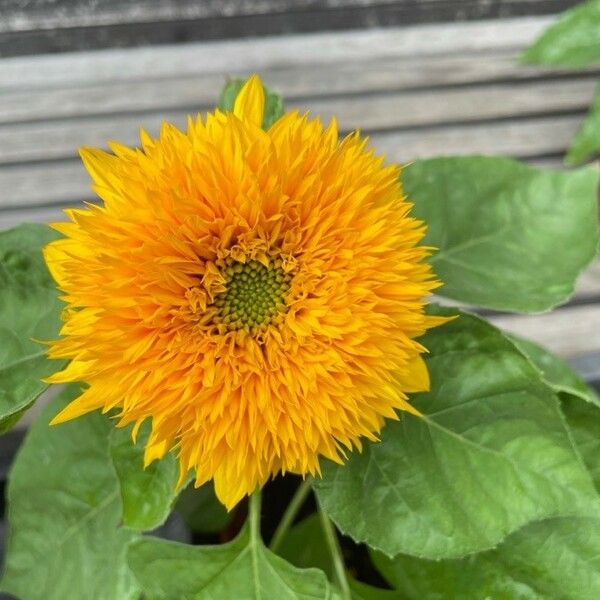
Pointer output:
x,y
417,377
250,102
87,402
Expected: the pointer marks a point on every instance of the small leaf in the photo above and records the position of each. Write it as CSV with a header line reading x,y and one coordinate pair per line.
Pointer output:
x,y
241,569
29,310
64,513
491,454
555,371
497,225
586,144
574,41
274,107
555,558
147,494
201,509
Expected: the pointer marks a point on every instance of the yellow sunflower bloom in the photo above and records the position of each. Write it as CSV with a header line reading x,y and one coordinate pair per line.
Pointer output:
x,y
256,294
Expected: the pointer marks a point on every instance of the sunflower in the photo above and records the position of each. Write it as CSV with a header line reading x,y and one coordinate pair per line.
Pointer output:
x,y
256,294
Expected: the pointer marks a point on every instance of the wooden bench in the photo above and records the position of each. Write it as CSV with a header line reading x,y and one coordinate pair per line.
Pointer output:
x,y
418,90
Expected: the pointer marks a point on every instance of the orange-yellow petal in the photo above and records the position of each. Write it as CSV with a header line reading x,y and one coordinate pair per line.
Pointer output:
x,y
250,102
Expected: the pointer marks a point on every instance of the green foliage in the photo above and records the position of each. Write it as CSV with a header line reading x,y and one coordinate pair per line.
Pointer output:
x,y
555,371
71,488
555,558
491,454
64,514
574,41
242,570
584,423
147,494
29,313
586,144
201,509
497,224
274,107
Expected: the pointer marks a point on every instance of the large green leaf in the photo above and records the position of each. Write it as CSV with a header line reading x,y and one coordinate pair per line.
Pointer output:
x,y
556,559
555,371
29,310
274,108
574,41
490,454
497,225
147,494
64,514
239,570
586,143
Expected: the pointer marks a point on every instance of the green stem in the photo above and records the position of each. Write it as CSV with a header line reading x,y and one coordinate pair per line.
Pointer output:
x,y
254,516
336,554
290,514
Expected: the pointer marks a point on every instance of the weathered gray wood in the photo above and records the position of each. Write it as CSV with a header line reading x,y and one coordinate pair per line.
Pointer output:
x,y
387,85
571,331
27,16
42,26
285,52
23,185
60,138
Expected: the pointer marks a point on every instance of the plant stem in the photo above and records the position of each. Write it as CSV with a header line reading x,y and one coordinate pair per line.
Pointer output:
x,y
290,514
254,516
336,554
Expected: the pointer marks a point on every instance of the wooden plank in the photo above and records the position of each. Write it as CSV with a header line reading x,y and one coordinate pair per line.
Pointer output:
x,y
285,52
570,331
152,22
297,85
59,139
22,185
50,14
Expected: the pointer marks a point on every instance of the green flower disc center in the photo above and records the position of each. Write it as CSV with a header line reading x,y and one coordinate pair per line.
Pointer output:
x,y
254,295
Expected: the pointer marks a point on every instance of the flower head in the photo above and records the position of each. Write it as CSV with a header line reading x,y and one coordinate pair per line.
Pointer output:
x,y
256,294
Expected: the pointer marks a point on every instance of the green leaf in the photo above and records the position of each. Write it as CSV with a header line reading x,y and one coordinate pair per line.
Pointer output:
x,y
490,454
574,41
29,309
274,107
555,371
147,494
239,570
584,424
64,513
556,558
586,144
201,509
498,223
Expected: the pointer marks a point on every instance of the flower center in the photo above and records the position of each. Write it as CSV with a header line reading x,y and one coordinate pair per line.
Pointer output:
x,y
254,295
